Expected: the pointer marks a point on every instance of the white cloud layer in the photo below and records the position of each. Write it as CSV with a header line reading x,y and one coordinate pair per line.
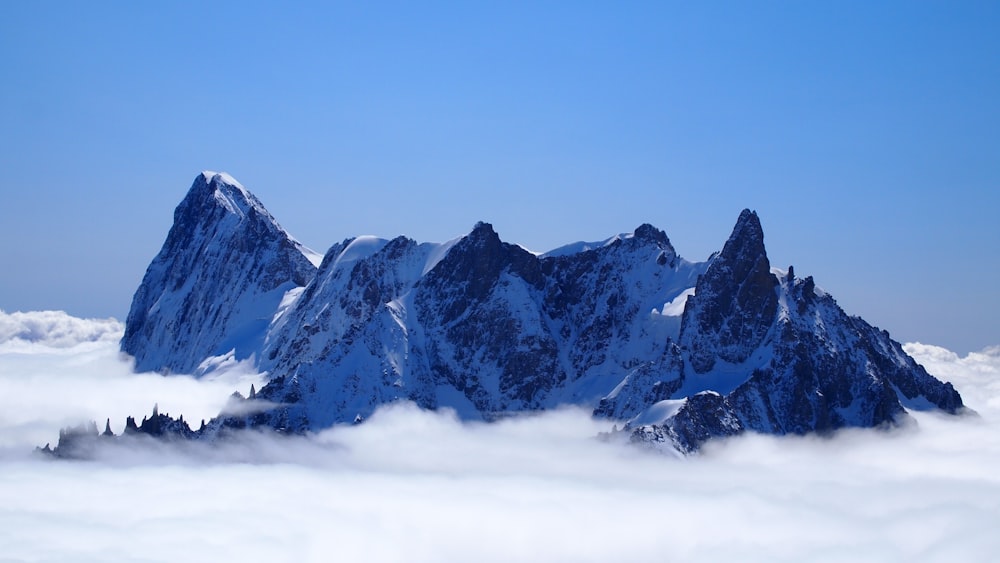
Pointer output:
x,y
55,329
417,486
44,388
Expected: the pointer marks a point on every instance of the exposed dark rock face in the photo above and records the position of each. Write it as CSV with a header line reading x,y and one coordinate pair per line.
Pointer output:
x,y
480,341
735,302
602,299
216,282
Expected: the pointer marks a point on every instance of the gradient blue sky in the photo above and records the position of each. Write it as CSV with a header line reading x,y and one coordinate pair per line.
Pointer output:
x,y
866,135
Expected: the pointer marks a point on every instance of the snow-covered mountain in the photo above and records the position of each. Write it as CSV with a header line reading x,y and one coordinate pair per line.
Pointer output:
x,y
681,351
762,350
477,325
216,283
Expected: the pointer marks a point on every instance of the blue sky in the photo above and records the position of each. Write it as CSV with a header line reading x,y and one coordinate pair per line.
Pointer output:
x,y
866,135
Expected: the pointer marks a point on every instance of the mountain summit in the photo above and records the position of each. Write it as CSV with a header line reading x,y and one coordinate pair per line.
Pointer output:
x,y
216,283
762,350
734,303
679,351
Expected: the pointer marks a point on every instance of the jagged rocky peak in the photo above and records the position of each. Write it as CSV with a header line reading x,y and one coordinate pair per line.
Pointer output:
x,y
475,263
484,230
743,258
213,188
647,232
216,282
644,236
773,353
747,237
218,209
212,199
481,253
83,441
735,301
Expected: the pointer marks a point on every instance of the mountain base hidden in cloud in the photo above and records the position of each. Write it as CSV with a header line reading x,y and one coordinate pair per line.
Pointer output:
x,y
676,352
420,485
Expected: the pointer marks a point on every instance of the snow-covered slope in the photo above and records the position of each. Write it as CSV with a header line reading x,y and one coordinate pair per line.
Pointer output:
x,y
216,283
681,351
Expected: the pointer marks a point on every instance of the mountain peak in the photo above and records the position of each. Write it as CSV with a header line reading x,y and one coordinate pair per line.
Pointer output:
x,y
211,184
485,239
746,243
220,190
225,258
223,178
483,229
647,232
737,285
748,216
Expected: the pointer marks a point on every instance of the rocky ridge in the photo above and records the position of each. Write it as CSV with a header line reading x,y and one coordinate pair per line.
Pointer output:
x,y
679,351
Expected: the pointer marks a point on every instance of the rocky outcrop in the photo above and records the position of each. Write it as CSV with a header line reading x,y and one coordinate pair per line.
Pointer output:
x,y
735,301
84,442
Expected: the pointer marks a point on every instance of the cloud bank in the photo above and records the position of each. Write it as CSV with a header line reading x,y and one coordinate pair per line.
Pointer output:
x,y
420,486
54,329
76,374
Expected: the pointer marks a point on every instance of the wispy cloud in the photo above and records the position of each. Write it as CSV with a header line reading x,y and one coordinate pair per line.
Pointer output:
x,y
420,486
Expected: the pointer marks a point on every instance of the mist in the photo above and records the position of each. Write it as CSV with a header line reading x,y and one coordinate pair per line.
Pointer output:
x,y
57,371
423,486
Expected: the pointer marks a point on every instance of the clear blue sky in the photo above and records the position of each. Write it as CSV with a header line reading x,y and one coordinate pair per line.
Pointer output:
x,y
865,134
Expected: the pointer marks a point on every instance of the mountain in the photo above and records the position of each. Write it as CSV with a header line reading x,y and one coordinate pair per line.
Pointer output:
x,y
762,350
476,324
679,351
216,283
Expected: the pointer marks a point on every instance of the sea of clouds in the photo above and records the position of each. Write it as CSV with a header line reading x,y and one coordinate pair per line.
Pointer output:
x,y
410,485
